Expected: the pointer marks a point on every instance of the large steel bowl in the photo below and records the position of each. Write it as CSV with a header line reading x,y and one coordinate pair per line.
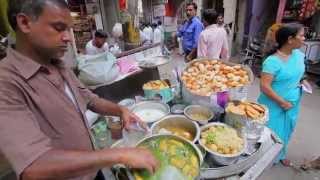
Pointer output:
x,y
222,159
156,136
151,105
252,127
177,121
234,93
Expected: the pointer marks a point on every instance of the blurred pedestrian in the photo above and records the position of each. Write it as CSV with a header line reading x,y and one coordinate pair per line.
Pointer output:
x,y
190,32
213,41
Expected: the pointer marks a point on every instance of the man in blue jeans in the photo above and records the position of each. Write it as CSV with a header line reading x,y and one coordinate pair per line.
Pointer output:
x,y
190,32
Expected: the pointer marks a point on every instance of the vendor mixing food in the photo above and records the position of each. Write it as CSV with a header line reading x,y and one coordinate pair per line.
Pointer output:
x,y
44,133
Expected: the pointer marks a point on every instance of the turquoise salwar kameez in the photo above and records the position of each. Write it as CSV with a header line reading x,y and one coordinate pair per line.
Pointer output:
x,y
286,83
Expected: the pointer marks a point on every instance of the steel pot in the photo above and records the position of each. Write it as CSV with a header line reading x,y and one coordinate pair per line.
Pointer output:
x,y
177,121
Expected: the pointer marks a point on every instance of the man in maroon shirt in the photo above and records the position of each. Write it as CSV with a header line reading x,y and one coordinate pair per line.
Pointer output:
x,y
43,130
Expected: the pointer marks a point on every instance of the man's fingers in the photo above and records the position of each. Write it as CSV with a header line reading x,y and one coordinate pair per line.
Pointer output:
x,y
143,125
155,165
126,126
150,169
153,162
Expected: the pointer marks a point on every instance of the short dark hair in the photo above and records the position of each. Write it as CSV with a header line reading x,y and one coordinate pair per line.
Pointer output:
x,y
192,4
31,8
210,16
154,25
100,34
159,23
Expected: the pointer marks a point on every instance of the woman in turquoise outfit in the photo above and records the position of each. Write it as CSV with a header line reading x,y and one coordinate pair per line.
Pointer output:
x,y
281,76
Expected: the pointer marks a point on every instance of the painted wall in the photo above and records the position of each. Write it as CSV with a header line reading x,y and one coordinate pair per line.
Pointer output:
x,y
263,15
237,45
258,11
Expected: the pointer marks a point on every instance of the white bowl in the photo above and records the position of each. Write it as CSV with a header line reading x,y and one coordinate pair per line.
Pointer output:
x,y
150,111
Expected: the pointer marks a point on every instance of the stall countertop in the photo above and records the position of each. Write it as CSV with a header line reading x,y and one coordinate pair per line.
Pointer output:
x,y
139,49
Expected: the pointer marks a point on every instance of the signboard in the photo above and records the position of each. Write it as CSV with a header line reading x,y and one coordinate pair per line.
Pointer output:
x,y
159,10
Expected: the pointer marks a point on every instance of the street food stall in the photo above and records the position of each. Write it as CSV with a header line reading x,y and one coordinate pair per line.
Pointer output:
x,y
202,128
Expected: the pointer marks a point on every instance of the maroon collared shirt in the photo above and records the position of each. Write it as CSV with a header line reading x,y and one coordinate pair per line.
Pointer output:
x,y
36,115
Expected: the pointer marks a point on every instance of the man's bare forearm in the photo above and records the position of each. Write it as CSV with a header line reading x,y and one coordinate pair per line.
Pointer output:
x,y
267,90
106,107
61,164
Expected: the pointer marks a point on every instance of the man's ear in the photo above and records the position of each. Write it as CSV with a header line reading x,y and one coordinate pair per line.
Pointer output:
x,y
23,22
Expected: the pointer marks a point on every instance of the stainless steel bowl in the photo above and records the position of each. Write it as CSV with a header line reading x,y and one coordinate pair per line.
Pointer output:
x,y
177,121
178,108
128,174
195,109
151,105
222,159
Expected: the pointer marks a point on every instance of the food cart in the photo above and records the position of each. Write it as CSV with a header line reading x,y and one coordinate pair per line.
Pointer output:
x,y
259,153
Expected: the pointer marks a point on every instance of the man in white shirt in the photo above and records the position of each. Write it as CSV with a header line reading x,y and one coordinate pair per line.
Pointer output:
x,y
213,41
157,34
162,30
148,32
98,44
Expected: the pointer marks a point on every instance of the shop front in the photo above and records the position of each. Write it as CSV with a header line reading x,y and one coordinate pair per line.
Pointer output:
x,y
307,13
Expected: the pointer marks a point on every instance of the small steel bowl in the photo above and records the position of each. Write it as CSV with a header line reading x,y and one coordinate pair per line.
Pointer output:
x,y
177,121
152,105
192,109
222,159
178,108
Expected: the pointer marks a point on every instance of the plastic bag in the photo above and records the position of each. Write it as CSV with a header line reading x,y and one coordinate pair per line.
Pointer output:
x,y
97,69
117,30
134,135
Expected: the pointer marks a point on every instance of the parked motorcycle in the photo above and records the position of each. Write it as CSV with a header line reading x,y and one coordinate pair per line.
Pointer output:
x,y
252,55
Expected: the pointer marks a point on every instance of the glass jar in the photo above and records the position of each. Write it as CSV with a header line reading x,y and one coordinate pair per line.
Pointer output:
x,y
115,127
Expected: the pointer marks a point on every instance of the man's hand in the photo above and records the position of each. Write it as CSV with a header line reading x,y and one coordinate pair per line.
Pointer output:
x,y
140,158
129,118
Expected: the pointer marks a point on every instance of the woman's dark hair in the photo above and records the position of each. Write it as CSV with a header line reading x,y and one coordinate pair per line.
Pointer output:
x,y
32,8
210,16
284,33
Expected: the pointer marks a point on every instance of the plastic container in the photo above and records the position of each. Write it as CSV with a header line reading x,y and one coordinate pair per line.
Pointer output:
x,y
134,135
